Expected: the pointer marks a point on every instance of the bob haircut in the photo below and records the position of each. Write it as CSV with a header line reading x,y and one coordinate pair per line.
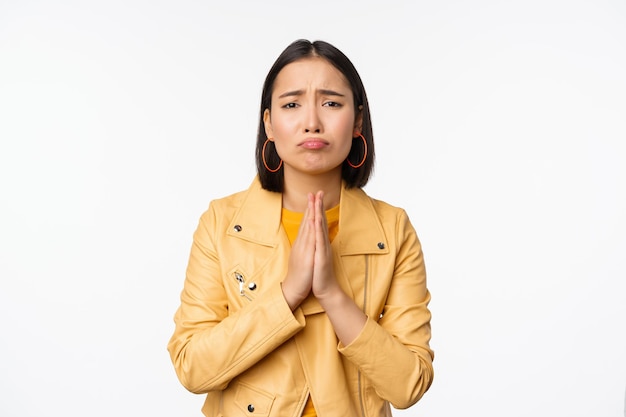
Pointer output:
x,y
300,49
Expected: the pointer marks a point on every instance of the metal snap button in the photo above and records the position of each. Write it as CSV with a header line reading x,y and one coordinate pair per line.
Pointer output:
x,y
251,408
252,286
381,245
237,228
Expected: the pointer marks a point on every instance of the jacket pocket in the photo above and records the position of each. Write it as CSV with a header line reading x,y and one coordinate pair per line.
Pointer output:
x,y
253,401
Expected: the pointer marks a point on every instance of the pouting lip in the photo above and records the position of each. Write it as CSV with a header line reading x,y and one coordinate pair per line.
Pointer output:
x,y
313,140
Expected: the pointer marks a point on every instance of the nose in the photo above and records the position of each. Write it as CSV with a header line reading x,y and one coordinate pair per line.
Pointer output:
x,y
312,122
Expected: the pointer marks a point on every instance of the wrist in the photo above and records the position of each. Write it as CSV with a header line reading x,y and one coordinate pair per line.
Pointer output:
x,y
332,297
293,298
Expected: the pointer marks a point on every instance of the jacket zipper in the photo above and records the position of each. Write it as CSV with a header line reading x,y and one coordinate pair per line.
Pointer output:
x,y
364,311
239,277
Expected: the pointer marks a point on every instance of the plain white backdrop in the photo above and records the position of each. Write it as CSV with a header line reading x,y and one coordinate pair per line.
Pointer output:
x,y
500,127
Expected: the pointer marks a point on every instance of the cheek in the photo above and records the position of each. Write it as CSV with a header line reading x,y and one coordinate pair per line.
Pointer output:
x,y
346,139
346,127
282,126
347,146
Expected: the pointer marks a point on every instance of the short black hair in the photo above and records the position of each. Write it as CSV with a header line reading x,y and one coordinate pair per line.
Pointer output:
x,y
302,48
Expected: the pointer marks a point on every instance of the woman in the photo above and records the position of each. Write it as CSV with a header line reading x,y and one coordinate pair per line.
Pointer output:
x,y
303,295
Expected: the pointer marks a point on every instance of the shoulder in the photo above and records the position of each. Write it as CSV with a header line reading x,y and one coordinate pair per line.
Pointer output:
x,y
362,208
229,202
384,209
223,208
255,210
397,225
233,202
394,219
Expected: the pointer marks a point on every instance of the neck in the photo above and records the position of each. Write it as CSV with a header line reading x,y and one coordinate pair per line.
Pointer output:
x,y
298,185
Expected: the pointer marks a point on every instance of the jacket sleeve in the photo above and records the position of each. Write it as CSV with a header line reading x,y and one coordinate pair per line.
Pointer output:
x,y
396,348
210,345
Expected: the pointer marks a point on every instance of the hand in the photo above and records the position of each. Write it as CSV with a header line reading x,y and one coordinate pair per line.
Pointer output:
x,y
345,316
297,284
324,280
311,270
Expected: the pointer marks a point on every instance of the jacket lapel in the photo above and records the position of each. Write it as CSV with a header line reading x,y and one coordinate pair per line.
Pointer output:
x,y
258,217
360,230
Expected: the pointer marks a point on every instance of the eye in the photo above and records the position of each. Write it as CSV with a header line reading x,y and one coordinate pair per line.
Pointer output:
x,y
290,106
332,104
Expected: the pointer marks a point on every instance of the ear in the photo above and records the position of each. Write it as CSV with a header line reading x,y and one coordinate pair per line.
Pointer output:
x,y
267,121
358,121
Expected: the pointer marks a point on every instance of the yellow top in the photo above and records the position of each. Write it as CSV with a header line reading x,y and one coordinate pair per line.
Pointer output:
x,y
309,409
291,223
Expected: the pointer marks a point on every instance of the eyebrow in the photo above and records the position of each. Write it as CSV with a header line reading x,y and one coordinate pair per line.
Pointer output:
x,y
322,91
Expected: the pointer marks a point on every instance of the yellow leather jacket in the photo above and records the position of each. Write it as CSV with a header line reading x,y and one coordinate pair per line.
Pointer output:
x,y
237,340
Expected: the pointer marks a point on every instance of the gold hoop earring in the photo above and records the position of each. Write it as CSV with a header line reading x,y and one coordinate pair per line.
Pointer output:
x,y
265,162
364,154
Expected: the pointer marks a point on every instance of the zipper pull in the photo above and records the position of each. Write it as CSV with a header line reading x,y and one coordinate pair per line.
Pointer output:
x,y
239,278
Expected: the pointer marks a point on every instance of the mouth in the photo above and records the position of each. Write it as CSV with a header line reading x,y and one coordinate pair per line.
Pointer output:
x,y
313,143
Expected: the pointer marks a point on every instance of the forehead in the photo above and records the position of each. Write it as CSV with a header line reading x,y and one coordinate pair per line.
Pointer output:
x,y
311,71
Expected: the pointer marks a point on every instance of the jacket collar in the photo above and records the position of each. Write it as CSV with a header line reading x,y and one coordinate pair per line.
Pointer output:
x,y
258,220
360,229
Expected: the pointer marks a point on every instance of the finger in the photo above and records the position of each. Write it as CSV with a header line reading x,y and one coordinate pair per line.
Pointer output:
x,y
322,214
303,248
310,211
308,222
319,211
306,217
321,230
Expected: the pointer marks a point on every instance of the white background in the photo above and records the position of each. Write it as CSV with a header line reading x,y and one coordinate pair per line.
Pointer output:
x,y
500,127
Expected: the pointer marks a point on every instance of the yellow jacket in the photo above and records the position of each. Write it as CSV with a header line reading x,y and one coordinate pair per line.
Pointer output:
x,y
237,340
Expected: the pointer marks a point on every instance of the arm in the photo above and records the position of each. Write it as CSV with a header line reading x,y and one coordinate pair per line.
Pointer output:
x,y
397,347
209,347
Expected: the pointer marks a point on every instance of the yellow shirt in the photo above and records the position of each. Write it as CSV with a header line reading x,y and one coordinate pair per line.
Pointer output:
x,y
291,223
